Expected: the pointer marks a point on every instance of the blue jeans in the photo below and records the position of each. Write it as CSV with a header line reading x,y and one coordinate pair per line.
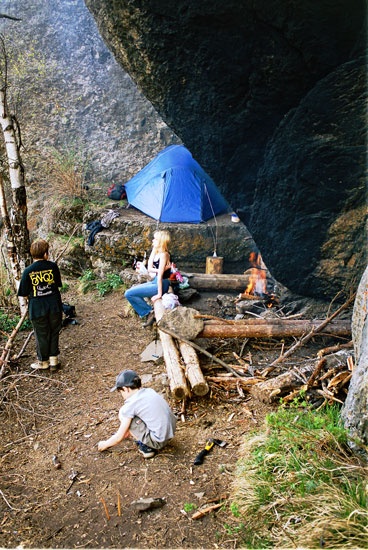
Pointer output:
x,y
136,295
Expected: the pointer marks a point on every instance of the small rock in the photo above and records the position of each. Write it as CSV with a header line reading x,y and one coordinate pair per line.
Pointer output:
x,y
144,504
56,462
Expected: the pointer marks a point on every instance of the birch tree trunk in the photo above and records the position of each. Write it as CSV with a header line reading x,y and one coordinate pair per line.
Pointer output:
x,y
18,210
12,256
15,217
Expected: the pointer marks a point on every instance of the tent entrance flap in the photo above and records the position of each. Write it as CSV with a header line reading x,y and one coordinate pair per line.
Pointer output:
x,y
181,191
174,188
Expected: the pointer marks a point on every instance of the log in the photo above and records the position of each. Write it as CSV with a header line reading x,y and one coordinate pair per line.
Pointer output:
x,y
205,352
218,281
305,338
175,372
193,370
233,382
271,389
269,328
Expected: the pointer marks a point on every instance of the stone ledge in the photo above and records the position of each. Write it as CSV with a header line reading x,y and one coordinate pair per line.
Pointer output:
x,y
130,234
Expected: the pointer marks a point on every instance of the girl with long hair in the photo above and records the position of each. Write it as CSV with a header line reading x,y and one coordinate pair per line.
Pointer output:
x,y
159,267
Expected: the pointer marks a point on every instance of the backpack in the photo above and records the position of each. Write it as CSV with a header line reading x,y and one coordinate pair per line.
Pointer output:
x,y
70,314
116,192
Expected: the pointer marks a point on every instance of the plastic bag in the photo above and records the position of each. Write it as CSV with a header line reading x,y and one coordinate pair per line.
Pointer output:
x,y
184,284
170,300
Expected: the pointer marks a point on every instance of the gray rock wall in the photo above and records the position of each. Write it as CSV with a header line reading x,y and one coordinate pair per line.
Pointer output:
x,y
355,411
313,180
69,93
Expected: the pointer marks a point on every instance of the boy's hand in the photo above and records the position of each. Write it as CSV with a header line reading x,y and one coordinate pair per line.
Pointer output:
x,y
102,446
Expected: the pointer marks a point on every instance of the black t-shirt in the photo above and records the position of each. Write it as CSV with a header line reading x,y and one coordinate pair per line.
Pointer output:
x,y
40,283
166,274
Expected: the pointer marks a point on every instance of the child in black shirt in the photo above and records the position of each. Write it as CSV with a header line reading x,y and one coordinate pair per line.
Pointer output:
x,y
40,283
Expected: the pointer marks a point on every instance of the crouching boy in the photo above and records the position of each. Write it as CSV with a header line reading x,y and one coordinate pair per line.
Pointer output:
x,y
145,416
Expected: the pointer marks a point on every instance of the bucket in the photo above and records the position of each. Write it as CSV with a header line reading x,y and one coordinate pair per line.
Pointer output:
x,y
214,264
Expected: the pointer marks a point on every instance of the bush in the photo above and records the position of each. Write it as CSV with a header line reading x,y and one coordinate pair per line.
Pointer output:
x,y
8,322
112,282
88,282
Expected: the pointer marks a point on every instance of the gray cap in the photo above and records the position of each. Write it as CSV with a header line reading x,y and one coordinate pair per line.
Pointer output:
x,y
127,379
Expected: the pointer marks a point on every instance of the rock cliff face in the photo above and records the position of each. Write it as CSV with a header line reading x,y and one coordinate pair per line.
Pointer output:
x,y
71,96
269,98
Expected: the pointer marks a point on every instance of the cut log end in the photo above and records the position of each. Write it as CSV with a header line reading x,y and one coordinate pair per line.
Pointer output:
x,y
200,389
178,393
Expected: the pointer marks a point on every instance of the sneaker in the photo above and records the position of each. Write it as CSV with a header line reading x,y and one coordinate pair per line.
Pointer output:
x,y
146,451
40,365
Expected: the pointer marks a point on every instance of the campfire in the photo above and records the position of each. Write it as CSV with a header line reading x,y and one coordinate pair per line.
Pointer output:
x,y
260,286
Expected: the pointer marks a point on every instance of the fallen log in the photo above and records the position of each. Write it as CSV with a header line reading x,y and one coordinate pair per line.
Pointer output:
x,y
205,352
218,281
175,372
233,382
272,389
326,378
269,328
193,370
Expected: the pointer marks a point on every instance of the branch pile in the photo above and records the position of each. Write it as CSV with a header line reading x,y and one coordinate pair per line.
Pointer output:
x,y
324,380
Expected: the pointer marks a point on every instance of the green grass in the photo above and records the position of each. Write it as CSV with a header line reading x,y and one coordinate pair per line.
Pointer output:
x,y
8,322
298,484
189,507
89,282
112,282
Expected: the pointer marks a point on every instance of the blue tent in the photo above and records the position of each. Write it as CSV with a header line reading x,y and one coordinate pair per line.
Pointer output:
x,y
174,188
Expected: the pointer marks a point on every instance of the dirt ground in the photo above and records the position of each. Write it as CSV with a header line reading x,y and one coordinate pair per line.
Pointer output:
x,y
65,414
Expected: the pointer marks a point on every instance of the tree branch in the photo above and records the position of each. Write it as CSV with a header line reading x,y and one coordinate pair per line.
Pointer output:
x,y
307,337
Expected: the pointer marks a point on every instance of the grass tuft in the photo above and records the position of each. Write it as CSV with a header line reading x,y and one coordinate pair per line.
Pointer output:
x,y
67,170
297,484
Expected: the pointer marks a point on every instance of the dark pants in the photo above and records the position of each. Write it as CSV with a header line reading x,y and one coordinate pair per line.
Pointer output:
x,y
47,330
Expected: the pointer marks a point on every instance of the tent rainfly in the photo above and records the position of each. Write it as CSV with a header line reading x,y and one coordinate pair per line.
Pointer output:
x,y
174,188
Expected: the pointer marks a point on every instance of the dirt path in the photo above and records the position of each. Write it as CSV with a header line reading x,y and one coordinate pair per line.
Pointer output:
x,y
68,412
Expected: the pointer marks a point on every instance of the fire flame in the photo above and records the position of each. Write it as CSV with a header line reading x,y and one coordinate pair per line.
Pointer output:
x,y
257,275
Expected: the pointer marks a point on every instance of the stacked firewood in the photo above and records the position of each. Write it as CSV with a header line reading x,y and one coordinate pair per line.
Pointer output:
x,y
324,380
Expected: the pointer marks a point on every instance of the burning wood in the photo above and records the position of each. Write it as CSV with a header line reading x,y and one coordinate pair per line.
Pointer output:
x,y
257,275
260,284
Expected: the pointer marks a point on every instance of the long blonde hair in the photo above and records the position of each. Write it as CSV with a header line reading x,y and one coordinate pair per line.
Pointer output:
x,y
163,238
